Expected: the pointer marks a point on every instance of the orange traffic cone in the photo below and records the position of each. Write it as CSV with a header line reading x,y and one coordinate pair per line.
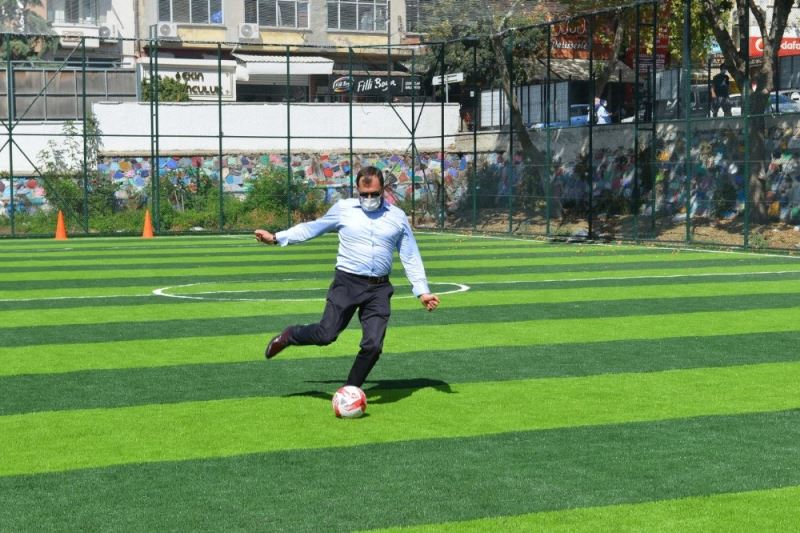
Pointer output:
x,y
147,232
61,231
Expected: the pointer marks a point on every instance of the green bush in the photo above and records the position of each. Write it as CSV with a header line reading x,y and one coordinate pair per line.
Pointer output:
x,y
270,193
101,196
169,90
63,193
129,221
39,223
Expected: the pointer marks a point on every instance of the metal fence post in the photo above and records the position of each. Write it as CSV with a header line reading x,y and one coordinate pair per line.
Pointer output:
x,y
442,155
220,155
413,137
687,111
350,89
85,144
474,126
510,158
746,130
592,120
548,160
288,141
10,98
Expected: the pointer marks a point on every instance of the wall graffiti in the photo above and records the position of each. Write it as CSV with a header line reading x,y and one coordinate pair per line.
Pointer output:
x,y
717,188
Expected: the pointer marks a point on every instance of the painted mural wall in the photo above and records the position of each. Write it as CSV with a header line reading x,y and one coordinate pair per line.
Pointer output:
x,y
718,171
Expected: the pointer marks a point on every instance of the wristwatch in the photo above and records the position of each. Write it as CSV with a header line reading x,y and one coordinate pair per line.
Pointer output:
x,y
273,241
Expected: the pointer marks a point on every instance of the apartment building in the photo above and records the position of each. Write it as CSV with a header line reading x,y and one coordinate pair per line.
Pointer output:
x,y
252,40
107,27
326,41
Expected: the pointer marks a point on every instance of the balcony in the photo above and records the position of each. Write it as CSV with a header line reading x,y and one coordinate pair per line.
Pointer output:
x,y
71,33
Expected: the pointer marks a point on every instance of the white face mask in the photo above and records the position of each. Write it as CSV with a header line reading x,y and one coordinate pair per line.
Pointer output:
x,y
369,204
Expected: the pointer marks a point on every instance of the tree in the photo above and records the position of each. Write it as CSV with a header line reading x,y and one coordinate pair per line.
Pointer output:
x,y
489,28
62,170
762,76
18,17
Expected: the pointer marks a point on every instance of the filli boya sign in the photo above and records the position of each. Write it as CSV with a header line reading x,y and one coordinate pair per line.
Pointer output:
x,y
373,85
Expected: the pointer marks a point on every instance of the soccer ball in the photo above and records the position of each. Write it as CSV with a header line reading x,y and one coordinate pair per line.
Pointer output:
x,y
349,402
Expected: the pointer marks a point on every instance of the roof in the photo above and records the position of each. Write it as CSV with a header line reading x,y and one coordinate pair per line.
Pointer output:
x,y
578,69
253,64
257,58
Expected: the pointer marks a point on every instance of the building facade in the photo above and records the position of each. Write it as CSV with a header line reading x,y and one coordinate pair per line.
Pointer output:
x,y
260,44
107,29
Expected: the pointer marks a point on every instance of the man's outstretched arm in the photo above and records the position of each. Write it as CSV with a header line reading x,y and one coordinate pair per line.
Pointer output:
x,y
302,232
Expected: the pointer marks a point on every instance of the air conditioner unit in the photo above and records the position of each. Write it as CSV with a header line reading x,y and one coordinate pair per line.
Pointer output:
x,y
249,32
166,30
71,35
108,33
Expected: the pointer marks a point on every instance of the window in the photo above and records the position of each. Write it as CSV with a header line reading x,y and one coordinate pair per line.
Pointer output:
x,y
277,13
190,11
358,15
417,11
73,11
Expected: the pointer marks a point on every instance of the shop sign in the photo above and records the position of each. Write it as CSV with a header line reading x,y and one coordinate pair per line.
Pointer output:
x,y
412,86
201,82
376,85
790,46
570,40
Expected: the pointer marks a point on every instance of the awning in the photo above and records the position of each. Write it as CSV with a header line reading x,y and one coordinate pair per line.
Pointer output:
x,y
578,69
275,65
376,72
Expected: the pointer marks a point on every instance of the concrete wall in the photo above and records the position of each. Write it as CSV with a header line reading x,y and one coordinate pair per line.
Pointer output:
x,y
249,128
30,138
192,129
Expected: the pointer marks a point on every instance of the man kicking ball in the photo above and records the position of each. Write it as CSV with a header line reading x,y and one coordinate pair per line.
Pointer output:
x,y
369,232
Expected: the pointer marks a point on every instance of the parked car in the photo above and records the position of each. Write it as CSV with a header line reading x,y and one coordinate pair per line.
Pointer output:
x,y
578,116
783,103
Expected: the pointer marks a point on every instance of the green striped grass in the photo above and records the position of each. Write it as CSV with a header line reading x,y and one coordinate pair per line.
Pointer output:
x,y
558,387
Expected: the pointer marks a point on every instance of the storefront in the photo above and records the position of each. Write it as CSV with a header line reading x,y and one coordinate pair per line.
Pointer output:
x,y
262,78
201,76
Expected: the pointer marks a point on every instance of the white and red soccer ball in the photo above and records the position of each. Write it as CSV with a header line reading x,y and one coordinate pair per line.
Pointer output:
x,y
349,402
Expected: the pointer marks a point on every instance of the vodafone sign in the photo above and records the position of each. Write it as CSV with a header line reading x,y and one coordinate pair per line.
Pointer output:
x,y
790,46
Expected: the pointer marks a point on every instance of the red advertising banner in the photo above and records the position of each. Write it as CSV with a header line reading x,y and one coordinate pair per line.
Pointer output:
x,y
570,40
790,46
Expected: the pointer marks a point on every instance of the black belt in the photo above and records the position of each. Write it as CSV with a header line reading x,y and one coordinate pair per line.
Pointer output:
x,y
371,280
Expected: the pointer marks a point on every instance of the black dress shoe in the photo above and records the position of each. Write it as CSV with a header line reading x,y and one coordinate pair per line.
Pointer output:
x,y
277,344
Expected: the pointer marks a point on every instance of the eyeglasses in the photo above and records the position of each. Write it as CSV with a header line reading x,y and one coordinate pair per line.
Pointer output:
x,y
376,194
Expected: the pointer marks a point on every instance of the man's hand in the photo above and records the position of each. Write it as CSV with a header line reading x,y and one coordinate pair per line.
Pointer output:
x,y
429,301
263,236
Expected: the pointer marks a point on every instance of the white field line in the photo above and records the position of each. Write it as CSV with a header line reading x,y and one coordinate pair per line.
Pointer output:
x,y
162,292
462,287
48,298
607,245
665,276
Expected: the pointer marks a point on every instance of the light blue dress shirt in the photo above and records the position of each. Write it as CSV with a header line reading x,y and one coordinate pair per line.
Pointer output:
x,y
367,241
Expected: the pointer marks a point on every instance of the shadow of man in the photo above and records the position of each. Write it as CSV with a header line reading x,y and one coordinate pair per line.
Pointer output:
x,y
386,390
394,390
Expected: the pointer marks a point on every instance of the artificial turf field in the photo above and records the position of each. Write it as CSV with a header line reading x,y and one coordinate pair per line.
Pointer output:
x,y
557,387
